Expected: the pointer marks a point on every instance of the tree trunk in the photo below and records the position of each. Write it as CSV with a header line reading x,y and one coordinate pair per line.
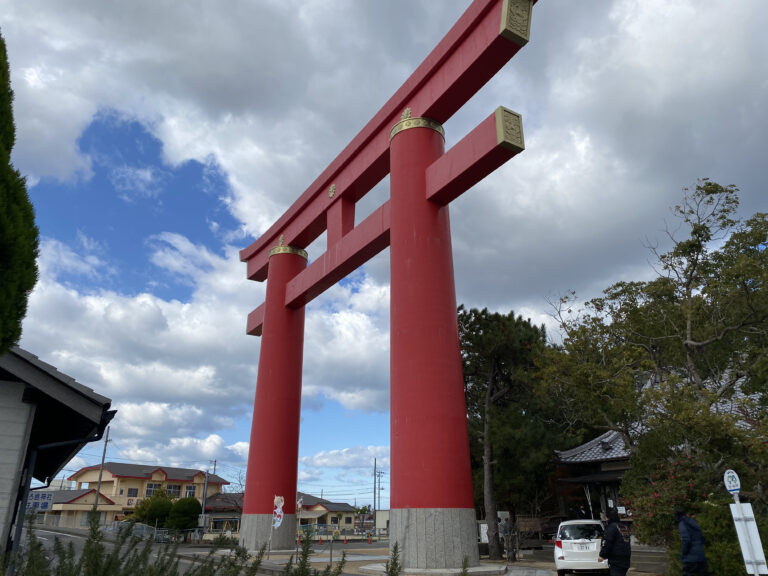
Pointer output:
x,y
494,545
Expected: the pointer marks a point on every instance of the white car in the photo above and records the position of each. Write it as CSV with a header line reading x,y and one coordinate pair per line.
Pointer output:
x,y
577,547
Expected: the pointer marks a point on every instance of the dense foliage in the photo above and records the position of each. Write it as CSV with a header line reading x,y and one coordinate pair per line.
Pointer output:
x,y
678,365
184,514
18,233
510,446
154,510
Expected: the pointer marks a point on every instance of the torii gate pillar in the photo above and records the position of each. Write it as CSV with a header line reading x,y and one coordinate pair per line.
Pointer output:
x,y
432,514
274,447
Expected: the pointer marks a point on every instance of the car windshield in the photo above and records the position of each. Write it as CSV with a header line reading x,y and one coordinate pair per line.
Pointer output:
x,y
581,532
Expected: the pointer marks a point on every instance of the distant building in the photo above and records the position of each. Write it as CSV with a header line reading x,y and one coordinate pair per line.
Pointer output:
x,y
71,507
319,515
325,516
123,487
598,467
224,510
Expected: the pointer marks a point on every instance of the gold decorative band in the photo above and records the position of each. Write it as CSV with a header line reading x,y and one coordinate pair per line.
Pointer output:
x,y
288,250
417,122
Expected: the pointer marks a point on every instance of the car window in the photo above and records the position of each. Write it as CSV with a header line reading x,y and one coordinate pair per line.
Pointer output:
x,y
581,532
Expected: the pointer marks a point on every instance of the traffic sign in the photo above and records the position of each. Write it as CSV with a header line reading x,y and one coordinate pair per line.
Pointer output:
x,y
732,482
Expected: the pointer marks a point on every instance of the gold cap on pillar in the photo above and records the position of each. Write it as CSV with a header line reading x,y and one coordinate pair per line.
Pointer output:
x,y
406,122
283,249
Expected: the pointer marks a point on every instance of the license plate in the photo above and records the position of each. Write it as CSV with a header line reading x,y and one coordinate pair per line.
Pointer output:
x,y
585,547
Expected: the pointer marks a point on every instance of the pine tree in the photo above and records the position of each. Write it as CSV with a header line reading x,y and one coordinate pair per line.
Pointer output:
x,y
18,233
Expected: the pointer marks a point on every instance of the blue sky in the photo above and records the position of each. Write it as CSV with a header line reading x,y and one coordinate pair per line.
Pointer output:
x,y
160,139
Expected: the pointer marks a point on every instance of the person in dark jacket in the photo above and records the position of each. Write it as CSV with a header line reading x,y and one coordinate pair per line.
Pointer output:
x,y
616,548
692,550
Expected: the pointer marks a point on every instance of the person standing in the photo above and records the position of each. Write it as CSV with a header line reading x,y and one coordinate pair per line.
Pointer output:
x,y
616,547
692,549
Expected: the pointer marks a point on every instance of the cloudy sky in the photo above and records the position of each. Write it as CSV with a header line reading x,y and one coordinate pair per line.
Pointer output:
x,y
160,138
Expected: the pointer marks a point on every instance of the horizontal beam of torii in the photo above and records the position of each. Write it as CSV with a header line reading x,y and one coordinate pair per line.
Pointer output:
x,y
485,37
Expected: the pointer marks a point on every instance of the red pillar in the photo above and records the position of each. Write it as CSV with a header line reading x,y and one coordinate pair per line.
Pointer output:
x,y
274,445
432,513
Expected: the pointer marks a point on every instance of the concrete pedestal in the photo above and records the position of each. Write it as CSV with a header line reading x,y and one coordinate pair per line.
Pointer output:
x,y
432,538
255,532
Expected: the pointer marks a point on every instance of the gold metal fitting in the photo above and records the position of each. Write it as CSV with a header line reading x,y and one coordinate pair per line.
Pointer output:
x,y
289,250
516,21
417,122
282,249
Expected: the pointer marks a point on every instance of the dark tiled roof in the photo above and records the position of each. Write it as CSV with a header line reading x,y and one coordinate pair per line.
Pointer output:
x,y
609,446
69,496
309,501
60,376
224,501
143,471
234,501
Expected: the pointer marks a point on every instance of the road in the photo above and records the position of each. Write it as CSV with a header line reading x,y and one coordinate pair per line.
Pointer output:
x,y
645,560
48,537
651,561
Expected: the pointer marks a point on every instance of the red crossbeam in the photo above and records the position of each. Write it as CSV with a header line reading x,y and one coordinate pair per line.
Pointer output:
x,y
484,38
497,139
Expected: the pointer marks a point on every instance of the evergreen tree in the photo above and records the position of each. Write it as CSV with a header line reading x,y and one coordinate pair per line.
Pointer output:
x,y
18,233
508,439
184,513
154,510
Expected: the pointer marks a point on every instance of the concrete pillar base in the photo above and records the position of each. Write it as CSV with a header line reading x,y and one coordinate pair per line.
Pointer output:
x,y
255,530
434,538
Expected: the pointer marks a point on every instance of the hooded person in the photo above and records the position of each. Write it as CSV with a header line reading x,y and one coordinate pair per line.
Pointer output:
x,y
692,545
616,548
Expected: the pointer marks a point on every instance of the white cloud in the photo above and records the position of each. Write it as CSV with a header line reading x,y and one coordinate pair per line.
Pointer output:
x,y
361,457
623,104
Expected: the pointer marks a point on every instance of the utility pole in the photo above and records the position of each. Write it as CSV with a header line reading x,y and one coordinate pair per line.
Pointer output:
x,y
380,473
101,471
214,465
374,495
203,517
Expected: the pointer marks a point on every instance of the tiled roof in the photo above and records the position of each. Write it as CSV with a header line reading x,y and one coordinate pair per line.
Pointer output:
x,y
224,501
60,376
69,496
143,471
234,500
609,446
309,501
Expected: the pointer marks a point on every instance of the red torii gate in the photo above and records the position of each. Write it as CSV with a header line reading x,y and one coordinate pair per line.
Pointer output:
x,y
432,515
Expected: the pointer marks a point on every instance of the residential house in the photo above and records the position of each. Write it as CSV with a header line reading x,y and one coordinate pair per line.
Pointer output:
x,y
126,485
71,507
324,516
224,511
319,515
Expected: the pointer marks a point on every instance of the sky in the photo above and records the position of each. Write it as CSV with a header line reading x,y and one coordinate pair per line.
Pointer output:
x,y
160,138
